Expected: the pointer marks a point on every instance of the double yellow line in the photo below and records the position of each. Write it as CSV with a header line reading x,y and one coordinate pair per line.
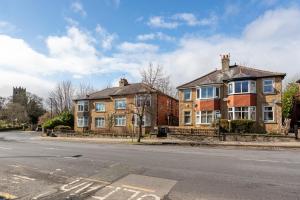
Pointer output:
x,y
7,196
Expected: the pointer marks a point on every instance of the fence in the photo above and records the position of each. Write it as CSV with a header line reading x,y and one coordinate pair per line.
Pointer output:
x,y
192,131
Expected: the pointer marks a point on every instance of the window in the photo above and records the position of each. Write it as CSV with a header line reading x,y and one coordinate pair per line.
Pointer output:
x,y
99,122
100,107
187,117
146,120
240,87
208,92
268,113
83,106
242,113
198,117
120,103
143,100
82,122
120,121
187,95
268,85
230,88
206,117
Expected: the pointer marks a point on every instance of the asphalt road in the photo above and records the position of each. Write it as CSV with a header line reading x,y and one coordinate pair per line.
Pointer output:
x,y
31,168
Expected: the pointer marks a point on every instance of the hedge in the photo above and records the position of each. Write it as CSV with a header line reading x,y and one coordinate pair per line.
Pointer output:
x,y
237,126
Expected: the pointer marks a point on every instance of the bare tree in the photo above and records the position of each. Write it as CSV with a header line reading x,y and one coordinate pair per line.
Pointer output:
x,y
155,77
84,89
60,99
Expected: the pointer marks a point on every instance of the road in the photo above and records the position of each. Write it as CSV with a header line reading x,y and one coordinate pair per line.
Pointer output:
x,y
32,168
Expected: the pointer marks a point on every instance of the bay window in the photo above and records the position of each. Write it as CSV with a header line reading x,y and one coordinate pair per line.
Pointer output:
x,y
206,117
235,113
240,87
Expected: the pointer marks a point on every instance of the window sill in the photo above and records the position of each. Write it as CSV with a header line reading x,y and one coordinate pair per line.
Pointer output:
x,y
269,93
270,122
100,111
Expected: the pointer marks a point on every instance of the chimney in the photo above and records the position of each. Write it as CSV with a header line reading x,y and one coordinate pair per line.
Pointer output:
x,y
123,82
225,62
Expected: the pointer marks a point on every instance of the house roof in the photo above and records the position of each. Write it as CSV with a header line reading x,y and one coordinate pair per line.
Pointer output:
x,y
235,72
134,88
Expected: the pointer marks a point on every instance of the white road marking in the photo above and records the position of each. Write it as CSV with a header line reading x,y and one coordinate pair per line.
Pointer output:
x,y
83,188
41,195
109,194
149,195
135,193
24,177
138,188
6,148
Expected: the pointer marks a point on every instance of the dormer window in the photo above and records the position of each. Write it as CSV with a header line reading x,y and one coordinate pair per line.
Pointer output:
x,y
208,92
242,87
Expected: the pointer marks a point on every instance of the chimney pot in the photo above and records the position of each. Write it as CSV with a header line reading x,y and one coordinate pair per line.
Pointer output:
x,y
123,82
225,60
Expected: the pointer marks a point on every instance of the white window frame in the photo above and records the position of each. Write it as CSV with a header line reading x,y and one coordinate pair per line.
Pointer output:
x,y
97,125
190,91
137,97
273,112
214,96
82,104
189,123
273,86
199,115
146,120
120,108
233,111
82,122
118,120
206,119
250,89
97,103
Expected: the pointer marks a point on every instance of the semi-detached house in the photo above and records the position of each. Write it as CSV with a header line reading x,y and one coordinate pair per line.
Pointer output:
x,y
113,109
234,92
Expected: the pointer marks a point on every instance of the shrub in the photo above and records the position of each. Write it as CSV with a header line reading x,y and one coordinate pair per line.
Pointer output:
x,y
65,118
62,128
242,126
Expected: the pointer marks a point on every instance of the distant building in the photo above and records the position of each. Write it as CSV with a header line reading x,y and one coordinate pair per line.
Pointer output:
x,y
111,108
19,95
296,108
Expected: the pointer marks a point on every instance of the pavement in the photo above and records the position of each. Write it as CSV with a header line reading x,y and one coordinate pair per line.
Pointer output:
x,y
167,141
34,168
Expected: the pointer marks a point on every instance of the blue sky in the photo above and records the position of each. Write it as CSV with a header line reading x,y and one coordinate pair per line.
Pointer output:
x,y
98,41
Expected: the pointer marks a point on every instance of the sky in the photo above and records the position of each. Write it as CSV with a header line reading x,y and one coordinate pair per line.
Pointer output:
x,y
98,41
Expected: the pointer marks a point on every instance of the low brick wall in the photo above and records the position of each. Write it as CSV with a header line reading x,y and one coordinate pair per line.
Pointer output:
x,y
11,129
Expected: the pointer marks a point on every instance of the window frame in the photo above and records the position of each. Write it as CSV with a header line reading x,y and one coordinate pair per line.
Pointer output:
x,y
85,122
120,108
119,125
96,124
232,87
190,115
83,103
273,114
187,90
273,85
232,111
98,104
137,97
214,92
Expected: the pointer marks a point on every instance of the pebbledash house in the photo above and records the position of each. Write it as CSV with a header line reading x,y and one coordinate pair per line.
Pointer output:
x,y
112,109
233,92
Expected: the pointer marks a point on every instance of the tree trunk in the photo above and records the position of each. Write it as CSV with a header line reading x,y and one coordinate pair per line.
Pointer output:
x,y
140,131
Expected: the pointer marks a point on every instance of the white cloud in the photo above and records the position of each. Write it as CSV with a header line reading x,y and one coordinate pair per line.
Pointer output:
x,y
159,22
107,38
6,27
232,9
180,19
127,47
155,36
77,7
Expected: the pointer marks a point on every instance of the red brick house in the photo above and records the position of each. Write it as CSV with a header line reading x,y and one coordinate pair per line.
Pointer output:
x,y
234,92
296,109
112,108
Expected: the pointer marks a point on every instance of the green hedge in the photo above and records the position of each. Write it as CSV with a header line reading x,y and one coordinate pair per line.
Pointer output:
x,y
65,119
238,126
